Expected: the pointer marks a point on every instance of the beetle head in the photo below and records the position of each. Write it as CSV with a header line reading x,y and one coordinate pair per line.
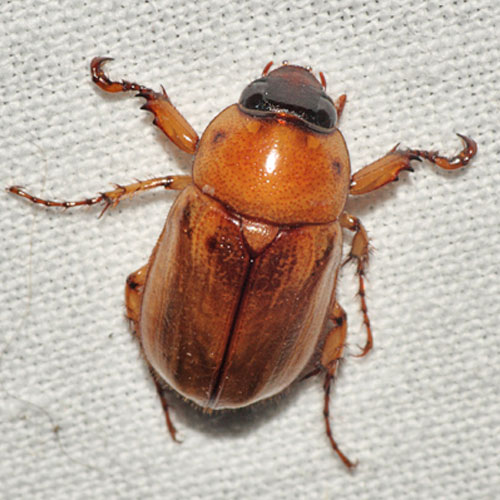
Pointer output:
x,y
294,93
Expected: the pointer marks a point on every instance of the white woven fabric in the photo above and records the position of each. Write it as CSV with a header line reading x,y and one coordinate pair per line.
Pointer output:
x,y
79,415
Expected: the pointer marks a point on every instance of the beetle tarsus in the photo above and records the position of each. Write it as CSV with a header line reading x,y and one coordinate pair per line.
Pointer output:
x,y
460,160
364,309
19,191
110,198
326,414
171,428
102,80
360,250
167,118
166,409
386,169
331,356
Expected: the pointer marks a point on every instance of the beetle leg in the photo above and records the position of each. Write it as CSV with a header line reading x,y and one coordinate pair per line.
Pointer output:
x,y
160,389
330,359
167,118
387,168
133,299
111,198
360,250
133,294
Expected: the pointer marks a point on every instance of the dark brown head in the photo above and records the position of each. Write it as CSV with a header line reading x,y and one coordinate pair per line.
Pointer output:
x,y
294,93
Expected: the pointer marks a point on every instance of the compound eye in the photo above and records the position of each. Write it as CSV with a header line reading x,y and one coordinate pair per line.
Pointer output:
x,y
253,97
253,101
325,116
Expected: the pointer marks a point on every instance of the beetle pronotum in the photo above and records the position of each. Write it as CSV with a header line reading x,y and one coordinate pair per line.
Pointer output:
x,y
238,298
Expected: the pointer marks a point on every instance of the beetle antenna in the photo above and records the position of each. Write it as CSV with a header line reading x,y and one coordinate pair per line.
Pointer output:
x,y
322,79
265,71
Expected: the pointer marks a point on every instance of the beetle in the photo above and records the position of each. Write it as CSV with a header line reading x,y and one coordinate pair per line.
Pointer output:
x,y
237,300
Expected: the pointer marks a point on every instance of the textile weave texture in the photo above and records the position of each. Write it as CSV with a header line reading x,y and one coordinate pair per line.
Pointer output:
x,y
79,415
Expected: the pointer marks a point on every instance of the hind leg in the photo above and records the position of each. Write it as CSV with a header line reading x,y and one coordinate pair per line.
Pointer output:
x,y
133,300
331,356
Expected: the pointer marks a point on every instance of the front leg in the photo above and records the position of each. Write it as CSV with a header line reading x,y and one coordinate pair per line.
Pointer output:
x,y
167,118
387,168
